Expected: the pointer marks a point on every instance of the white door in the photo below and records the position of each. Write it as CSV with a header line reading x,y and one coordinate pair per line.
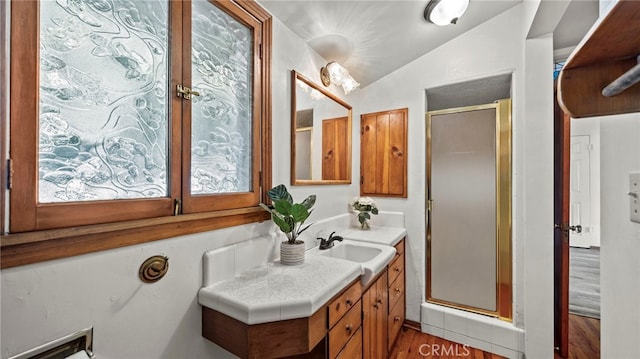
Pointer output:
x,y
580,199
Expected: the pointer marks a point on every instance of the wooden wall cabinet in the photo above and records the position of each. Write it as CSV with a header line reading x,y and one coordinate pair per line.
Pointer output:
x,y
383,153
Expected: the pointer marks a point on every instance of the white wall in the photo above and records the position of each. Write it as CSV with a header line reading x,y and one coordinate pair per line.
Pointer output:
x,y
591,127
48,300
620,240
492,47
290,52
537,200
495,47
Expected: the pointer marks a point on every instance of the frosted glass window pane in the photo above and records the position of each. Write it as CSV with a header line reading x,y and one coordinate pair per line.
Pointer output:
x,y
221,117
463,220
103,100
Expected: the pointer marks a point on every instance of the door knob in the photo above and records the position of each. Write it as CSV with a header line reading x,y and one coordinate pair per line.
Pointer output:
x,y
577,229
567,228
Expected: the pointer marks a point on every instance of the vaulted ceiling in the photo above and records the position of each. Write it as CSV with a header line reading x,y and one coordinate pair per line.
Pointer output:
x,y
374,38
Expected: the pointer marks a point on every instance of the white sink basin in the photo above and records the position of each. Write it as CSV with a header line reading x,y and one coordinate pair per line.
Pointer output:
x,y
352,252
372,257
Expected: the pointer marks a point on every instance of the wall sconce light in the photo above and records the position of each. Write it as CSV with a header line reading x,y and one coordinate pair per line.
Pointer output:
x,y
334,73
445,12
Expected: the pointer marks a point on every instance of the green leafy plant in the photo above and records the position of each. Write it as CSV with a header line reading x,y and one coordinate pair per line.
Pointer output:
x,y
289,216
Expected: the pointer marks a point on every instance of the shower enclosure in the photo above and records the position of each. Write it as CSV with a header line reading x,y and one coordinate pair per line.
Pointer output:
x,y
469,208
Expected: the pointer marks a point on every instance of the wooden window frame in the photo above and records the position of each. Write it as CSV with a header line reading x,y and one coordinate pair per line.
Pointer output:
x,y
154,219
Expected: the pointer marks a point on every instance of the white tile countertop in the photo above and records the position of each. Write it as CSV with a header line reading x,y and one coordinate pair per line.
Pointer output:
x,y
272,291
247,282
389,236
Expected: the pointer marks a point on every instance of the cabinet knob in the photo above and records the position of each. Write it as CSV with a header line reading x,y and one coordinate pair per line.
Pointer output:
x,y
397,269
349,302
349,328
396,318
398,290
379,301
398,254
376,306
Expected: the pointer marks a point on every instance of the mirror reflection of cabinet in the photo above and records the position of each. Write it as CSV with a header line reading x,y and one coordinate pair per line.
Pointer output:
x,y
320,136
334,150
383,153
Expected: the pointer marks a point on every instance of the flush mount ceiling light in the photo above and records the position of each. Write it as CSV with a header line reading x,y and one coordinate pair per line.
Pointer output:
x,y
445,12
334,73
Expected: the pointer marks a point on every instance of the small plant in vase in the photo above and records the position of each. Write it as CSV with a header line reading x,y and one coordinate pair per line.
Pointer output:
x,y
290,218
364,206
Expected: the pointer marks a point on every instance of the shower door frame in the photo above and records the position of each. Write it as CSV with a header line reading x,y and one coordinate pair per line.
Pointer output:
x,y
504,305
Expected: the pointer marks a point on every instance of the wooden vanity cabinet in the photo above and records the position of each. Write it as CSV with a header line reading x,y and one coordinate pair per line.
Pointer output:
x,y
396,274
374,319
356,323
344,322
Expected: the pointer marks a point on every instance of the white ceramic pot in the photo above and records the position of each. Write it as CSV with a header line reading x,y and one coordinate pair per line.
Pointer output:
x,y
292,254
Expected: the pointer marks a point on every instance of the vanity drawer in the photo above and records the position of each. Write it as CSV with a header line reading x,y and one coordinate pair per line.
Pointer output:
x,y
397,265
353,349
395,321
345,301
396,291
345,329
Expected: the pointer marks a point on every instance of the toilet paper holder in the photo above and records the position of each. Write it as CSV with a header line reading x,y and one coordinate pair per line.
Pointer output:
x,y
68,345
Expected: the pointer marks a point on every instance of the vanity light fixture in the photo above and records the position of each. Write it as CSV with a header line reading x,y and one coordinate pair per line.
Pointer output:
x,y
445,12
334,73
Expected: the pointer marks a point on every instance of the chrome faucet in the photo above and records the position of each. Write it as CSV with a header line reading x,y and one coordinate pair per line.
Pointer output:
x,y
328,243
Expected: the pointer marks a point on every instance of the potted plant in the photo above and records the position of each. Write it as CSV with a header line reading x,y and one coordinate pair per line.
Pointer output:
x,y
364,206
290,218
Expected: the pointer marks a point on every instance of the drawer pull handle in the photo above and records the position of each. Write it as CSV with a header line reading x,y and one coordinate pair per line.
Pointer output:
x,y
349,302
349,328
397,269
396,318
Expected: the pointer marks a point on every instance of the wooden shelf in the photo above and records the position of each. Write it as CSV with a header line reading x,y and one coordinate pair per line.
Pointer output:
x,y
608,50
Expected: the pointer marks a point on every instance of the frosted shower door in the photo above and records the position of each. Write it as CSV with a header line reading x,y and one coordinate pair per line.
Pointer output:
x,y
463,220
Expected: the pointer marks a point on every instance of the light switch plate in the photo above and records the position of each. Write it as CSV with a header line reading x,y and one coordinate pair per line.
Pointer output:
x,y
634,196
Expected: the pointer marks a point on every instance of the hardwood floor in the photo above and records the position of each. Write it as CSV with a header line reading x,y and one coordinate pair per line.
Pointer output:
x,y
414,344
584,337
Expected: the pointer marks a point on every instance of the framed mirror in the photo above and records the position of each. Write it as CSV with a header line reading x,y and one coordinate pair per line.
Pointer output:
x,y
320,135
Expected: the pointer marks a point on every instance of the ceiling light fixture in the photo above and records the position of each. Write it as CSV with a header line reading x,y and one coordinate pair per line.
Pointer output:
x,y
445,12
334,73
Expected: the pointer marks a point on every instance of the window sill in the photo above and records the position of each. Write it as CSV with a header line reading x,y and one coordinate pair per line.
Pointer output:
x,y
33,247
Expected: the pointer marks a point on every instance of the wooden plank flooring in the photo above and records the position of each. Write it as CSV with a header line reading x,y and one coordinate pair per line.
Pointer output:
x,y
584,343
411,344
584,337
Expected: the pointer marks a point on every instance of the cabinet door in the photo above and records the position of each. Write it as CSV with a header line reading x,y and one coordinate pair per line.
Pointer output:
x,y
374,322
383,159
